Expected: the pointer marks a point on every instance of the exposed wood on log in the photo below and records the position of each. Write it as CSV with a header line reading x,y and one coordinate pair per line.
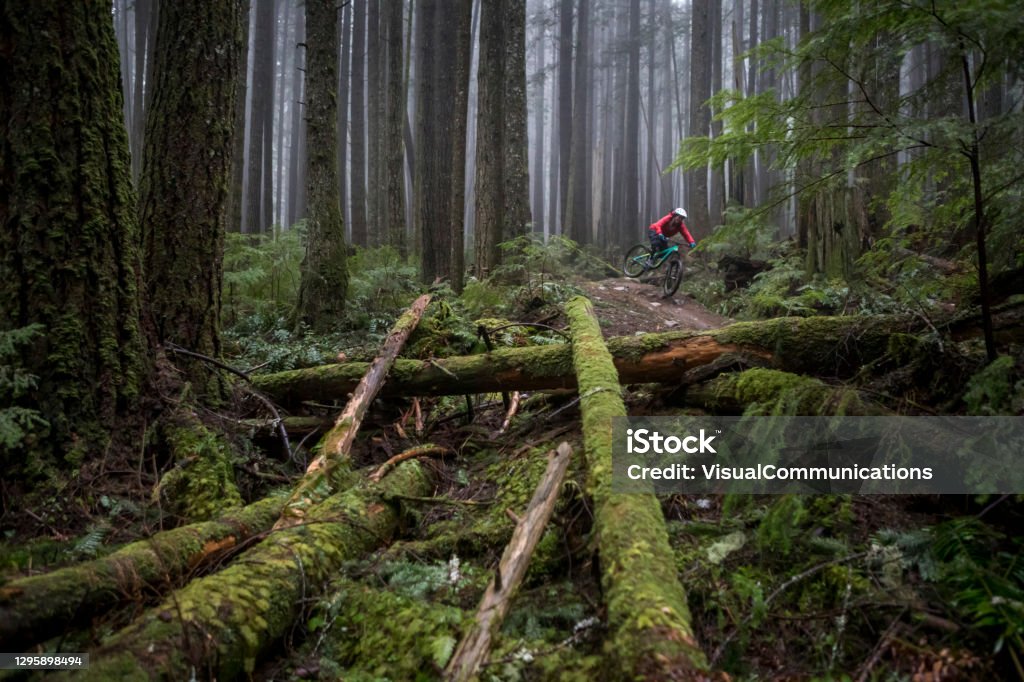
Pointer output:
x,y
317,481
476,644
428,450
218,626
37,608
512,409
828,346
649,622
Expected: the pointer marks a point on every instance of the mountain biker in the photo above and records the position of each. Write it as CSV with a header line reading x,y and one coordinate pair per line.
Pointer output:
x,y
669,226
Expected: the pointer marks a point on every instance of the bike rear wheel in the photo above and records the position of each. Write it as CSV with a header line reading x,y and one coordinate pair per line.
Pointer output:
x,y
635,263
673,276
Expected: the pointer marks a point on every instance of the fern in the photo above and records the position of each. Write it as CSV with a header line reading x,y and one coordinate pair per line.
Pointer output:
x,y
89,545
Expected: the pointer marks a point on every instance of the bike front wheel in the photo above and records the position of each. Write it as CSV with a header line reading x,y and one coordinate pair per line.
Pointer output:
x,y
673,276
635,263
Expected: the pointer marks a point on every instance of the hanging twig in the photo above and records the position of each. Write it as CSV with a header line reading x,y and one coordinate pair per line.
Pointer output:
x,y
278,421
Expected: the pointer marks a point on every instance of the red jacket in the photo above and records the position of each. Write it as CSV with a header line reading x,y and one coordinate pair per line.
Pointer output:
x,y
670,228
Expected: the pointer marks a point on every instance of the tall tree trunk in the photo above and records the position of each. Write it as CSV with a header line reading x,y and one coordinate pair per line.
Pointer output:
x,y
700,114
575,223
287,51
463,19
358,179
515,143
144,11
434,94
374,122
324,269
186,172
297,157
392,218
716,200
234,210
68,230
631,139
540,79
344,85
489,188
260,124
565,24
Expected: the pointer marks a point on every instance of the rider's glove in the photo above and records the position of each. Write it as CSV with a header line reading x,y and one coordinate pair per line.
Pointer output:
x,y
693,245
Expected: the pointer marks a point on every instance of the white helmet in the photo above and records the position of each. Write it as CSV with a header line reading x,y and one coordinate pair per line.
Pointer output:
x,y
680,212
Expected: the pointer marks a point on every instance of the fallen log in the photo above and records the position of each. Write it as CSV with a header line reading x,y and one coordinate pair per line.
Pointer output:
x,y
218,626
39,607
318,481
826,346
771,392
650,630
476,644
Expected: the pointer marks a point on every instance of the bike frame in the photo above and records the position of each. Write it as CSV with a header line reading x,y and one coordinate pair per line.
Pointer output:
x,y
663,255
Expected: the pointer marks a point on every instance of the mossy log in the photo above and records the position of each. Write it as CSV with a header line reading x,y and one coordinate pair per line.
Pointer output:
x,y
319,479
202,484
476,644
771,392
219,625
825,346
650,630
39,607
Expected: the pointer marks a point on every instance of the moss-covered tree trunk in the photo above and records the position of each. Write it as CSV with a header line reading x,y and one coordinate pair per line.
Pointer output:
x,y
186,171
34,609
219,625
650,632
68,233
324,269
826,346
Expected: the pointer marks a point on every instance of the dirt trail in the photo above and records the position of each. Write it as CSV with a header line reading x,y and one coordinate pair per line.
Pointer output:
x,y
627,306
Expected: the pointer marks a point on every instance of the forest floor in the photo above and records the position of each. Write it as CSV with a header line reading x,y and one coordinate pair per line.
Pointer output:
x,y
788,587
627,306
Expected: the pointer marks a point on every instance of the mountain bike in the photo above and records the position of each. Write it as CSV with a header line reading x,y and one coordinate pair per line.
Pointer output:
x,y
640,260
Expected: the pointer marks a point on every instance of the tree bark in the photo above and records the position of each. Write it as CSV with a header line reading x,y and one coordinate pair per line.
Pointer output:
x,y
344,85
319,474
37,608
186,173
700,114
463,20
358,116
219,625
392,218
515,144
324,282
826,346
494,605
650,630
234,210
260,118
68,230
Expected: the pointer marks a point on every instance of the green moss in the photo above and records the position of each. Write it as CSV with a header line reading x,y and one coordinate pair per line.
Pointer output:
x,y
649,620
386,635
43,605
225,621
202,485
771,392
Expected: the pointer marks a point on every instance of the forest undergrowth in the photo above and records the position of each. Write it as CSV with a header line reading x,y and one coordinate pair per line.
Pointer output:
x,y
923,588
